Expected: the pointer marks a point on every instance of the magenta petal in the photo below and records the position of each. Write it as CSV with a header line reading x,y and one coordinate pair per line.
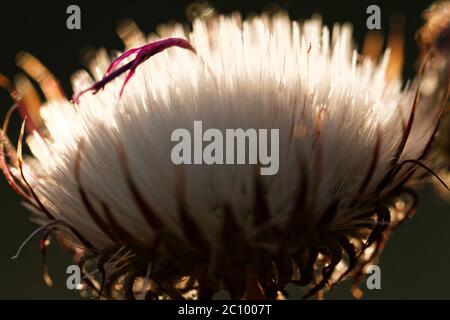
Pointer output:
x,y
121,58
142,54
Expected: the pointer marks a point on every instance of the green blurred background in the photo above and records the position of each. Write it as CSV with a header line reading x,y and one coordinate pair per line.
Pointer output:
x,y
416,260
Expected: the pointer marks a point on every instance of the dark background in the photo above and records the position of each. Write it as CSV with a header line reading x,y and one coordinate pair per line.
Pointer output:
x,y
416,260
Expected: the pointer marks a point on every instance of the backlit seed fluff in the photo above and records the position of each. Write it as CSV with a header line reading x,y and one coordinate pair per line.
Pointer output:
x,y
351,147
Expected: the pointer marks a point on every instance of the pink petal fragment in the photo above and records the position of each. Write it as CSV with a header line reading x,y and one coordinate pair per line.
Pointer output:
x,y
142,54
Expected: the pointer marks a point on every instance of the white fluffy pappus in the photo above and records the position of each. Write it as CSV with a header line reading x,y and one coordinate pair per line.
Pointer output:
x,y
344,131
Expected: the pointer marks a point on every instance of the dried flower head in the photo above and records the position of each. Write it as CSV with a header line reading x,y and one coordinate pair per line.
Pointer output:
x,y
436,31
352,146
434,40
